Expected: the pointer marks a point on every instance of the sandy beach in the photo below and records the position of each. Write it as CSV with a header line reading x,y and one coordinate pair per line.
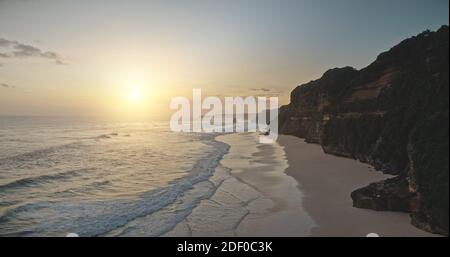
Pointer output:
x,y
327,181
254,196
288,188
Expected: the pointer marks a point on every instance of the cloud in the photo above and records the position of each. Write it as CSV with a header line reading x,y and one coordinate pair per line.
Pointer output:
x,y
267,92
22,50
4,85
15,49
264,90
260,89
6,43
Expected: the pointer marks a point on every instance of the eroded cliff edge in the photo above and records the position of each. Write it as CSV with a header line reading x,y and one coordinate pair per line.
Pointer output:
x,y
392,114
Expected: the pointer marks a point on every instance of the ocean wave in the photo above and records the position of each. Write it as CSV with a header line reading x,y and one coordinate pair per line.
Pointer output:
x,y
106,136
36,154
100,217
30,181
43,153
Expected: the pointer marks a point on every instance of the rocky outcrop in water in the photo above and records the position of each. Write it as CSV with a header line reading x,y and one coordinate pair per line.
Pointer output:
x,y
392,114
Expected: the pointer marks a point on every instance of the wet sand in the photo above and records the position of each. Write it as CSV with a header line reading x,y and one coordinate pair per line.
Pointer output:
x,y
254,195
326,182
288,188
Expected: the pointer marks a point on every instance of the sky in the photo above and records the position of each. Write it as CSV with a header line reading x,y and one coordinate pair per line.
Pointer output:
x,y
129,58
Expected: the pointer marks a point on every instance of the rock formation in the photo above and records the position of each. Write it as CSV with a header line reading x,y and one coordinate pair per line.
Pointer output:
x,y
392,114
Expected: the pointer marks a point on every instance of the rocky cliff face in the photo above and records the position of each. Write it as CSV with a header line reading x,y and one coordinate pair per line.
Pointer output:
x,y
392,114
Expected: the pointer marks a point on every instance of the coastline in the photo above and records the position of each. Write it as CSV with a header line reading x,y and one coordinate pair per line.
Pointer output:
x,y
253,196
327,181
289,188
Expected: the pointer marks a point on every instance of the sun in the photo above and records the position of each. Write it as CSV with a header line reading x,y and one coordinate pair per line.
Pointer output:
x,y
134,95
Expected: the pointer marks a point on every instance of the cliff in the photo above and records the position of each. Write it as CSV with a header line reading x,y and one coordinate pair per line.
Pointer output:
x,y
392,114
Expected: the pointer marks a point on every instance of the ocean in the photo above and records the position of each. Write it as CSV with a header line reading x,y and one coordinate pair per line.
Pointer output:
x,y
97,178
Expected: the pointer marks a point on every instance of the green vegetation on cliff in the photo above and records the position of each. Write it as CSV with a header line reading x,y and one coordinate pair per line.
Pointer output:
x,y
428,149
392,114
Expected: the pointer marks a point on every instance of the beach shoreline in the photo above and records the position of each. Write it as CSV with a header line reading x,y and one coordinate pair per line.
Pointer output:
x,y
288,188
253,196
327,181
